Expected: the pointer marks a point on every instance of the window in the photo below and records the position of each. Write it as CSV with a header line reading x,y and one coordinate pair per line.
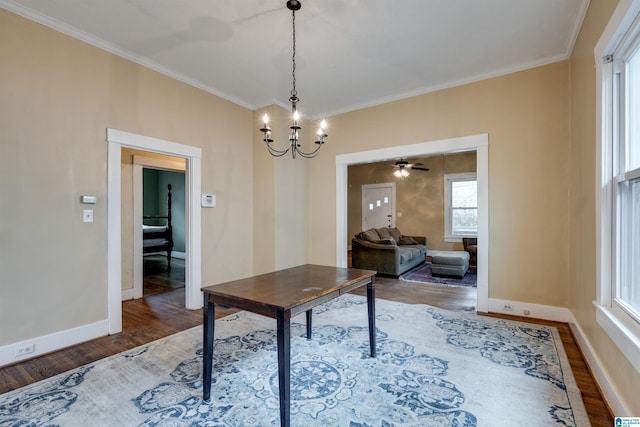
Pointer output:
x,y
627,192
618,308
461,206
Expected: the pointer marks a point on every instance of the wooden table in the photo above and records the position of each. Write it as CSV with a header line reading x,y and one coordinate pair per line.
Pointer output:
x,y
282,295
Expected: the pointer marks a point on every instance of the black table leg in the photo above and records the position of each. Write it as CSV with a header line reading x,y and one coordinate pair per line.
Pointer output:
x,y
209,312
309,315
284,366
371,305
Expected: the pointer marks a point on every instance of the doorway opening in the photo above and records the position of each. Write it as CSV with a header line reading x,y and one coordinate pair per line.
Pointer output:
x,y
478,143
154,253
163,231
116,141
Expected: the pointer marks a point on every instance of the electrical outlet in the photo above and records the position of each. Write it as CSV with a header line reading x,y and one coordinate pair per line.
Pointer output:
x,y
507,307
24,350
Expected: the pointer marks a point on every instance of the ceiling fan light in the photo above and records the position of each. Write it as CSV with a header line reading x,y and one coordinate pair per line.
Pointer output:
x,y
401,173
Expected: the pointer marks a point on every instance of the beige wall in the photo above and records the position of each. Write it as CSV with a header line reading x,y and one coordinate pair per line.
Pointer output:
x,y
419,197
281,196
582,286
57,97
526,117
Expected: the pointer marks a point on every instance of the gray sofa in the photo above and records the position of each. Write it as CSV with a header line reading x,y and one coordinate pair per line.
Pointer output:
x,y
387,251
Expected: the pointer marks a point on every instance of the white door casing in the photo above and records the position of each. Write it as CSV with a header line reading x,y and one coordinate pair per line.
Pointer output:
x,y
117,139
479,143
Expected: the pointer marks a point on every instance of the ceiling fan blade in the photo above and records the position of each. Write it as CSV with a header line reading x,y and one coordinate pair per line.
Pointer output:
x,y
419,169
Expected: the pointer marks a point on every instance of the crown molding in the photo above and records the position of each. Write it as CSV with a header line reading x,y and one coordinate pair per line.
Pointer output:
x,y
83,36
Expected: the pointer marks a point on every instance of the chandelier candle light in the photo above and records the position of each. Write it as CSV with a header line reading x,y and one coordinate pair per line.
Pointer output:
x,y
294,147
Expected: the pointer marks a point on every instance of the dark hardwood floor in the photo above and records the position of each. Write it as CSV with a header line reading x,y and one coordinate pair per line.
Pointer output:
x,y
156,278
160,314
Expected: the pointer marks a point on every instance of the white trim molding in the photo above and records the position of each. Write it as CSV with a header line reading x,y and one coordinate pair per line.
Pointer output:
x,y
613,321
478,143
52,342
117,139
624,334
621,30
595,364
525,309
110,47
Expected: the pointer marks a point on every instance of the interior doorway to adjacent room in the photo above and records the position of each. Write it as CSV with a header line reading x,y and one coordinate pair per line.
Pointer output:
x,y
118,230
163,215
478,143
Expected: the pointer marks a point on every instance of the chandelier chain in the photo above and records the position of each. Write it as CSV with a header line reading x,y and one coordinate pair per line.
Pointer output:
x,y
294,92
295,127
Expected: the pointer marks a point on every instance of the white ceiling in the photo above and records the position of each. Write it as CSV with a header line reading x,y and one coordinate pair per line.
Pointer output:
x,y
350,53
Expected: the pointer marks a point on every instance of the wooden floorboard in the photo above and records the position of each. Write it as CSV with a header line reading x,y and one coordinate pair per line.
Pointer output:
x,y
162,314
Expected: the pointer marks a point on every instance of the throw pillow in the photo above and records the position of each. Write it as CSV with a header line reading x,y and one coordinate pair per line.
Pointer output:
x,y
407,240
370,235
384,233
395,233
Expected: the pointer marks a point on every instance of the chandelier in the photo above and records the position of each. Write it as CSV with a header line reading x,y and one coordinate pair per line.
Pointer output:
x,y
294,146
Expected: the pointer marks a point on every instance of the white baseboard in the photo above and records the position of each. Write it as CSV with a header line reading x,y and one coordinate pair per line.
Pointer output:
x,y
127,294
48,343
603,380
536,311
560,314
56,341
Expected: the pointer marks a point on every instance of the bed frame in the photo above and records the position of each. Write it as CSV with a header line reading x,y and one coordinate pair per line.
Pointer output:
x,y
159,238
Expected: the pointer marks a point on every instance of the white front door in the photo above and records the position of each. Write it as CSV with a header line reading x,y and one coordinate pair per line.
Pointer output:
x,y
378,205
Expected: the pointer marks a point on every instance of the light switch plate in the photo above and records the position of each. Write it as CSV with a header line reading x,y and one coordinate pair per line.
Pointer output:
x,y
208,200
87,215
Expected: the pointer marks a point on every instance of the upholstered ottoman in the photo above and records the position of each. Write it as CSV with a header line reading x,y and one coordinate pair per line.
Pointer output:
x,y
450,263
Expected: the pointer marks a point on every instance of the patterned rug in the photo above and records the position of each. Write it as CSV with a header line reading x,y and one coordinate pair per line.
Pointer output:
x,y
422,274
434,368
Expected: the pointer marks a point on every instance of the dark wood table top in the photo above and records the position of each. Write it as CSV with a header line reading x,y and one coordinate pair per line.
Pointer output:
x,y
294,289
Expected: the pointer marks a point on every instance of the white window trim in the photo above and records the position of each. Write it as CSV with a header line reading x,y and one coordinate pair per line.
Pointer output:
x,y
618,325
448,178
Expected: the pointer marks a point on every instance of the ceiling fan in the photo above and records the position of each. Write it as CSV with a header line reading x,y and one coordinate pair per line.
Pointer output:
x,y
401,168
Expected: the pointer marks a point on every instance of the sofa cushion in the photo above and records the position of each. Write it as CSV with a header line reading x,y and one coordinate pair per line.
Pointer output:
x,y
408,254
387,241
407,240
371,235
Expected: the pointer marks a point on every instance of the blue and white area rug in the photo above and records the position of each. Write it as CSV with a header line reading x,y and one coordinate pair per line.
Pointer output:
x,y
434,368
